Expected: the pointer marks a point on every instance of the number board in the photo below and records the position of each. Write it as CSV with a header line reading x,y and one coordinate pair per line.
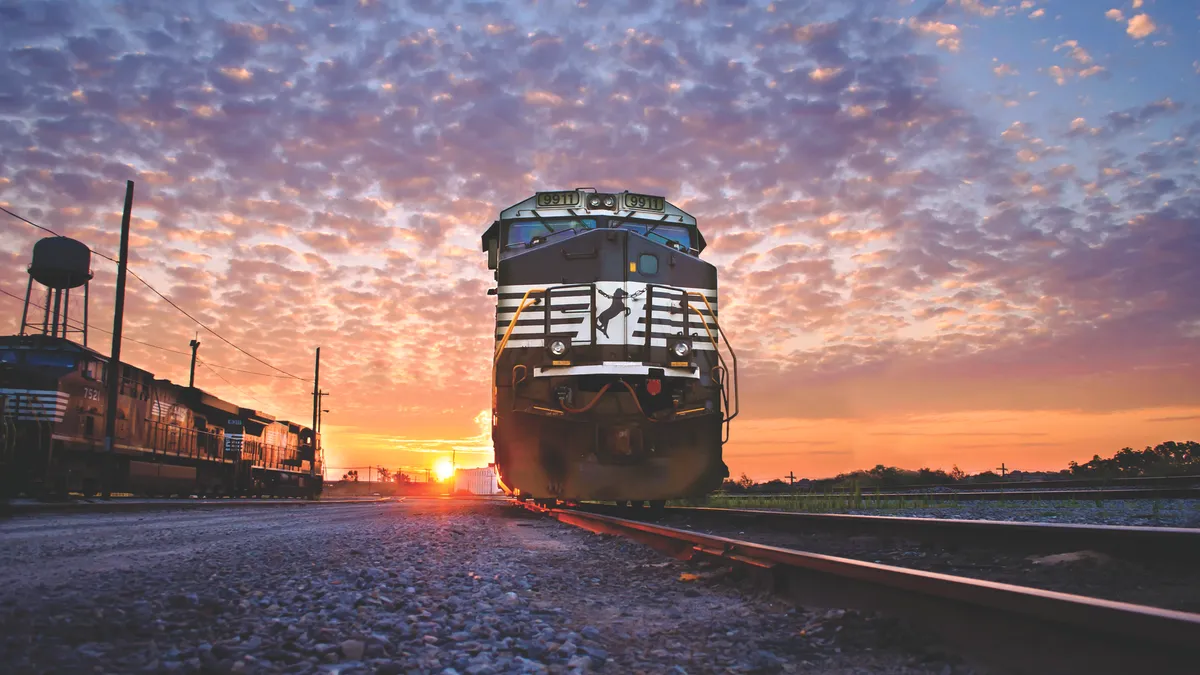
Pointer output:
x,y
562,199
644,202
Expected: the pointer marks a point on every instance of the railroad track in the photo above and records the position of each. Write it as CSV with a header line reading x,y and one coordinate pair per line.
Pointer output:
x,y
993,494
1140,543
1014,627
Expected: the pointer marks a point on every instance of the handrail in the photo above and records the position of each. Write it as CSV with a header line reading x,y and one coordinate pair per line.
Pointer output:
x,y
513,324
504,341
732,354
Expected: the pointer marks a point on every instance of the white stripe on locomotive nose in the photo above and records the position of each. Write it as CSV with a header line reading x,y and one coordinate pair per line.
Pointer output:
x,y
667,306
35,404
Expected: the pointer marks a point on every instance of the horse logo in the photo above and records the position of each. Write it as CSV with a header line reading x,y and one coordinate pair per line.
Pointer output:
x,y
614,310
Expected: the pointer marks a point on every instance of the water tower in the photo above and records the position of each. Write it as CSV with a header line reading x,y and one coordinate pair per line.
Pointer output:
x,y
59,264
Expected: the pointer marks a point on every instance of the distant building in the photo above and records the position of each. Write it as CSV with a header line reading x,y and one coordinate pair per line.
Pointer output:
x,y
481,481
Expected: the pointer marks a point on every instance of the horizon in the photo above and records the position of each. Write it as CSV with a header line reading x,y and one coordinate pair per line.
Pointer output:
x,y
946,233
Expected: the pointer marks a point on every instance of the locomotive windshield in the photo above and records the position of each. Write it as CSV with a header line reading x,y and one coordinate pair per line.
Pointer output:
x,y
666,234
58,360
521,232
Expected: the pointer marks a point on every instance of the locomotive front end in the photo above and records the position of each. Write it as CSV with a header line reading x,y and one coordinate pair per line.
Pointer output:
x,y
610,380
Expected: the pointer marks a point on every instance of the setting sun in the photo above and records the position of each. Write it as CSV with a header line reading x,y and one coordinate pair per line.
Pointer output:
x,y
443,469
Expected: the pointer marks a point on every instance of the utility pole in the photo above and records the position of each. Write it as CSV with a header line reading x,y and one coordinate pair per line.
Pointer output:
x,y
321,405
317,391
1002,469
195,344
791,478
114,363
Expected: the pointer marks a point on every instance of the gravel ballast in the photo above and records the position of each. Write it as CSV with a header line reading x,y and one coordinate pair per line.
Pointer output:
x,y
1122,575
420,586
1136,512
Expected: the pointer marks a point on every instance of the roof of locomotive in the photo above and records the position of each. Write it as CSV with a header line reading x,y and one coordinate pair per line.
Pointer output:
x,y
575,203
194,396
47,343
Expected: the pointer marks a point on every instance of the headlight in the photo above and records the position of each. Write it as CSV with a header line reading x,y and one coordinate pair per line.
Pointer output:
x,y
681,349
558,348
609,201
593,202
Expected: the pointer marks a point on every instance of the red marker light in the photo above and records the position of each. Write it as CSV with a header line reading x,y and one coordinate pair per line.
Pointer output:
x,y
654,387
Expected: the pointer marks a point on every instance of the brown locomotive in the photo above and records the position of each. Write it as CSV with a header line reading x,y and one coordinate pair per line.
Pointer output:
x,y
168,439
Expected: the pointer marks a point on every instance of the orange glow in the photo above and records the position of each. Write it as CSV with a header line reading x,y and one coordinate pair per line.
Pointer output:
x,y
443,469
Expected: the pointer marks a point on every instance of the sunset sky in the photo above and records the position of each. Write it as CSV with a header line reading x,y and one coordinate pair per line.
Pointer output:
x,y
947,232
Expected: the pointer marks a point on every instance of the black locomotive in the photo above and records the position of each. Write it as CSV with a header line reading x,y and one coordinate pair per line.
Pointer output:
x,y
169,439
609,381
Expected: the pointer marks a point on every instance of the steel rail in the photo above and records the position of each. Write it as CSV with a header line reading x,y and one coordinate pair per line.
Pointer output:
x,y
1130,542
996,494
1071,483
1021,629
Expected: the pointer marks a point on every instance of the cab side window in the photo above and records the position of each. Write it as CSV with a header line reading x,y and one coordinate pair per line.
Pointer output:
x,y
648,263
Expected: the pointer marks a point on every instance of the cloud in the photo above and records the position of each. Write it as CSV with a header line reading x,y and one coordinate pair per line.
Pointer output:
x,y
1115,15
1140,26
824,74
1004,70
947,34
1037,13
1074,51
321,177
1131,118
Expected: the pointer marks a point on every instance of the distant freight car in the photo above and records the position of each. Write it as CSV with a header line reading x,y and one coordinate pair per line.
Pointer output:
x,y
169,439
481,481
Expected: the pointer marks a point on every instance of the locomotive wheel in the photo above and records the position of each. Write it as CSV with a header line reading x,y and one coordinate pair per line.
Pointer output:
x,y
657,507
636,504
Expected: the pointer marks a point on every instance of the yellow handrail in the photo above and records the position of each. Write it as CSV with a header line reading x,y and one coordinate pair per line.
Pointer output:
x,y
525,302
717,348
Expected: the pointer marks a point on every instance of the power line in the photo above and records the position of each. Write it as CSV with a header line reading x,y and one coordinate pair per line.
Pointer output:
x,y
236,388
211,367
148,344
168,301
45,229
219,336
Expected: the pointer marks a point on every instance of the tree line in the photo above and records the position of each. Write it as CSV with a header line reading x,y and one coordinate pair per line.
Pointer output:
x,y
381,475
1171,458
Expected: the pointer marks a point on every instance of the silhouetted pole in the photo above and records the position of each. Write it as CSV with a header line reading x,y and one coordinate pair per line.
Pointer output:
x,y
25,309
114,363
316,391
316,410
195,344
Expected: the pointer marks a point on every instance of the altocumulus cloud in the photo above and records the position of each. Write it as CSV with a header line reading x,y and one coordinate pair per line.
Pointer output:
x,y
319,174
